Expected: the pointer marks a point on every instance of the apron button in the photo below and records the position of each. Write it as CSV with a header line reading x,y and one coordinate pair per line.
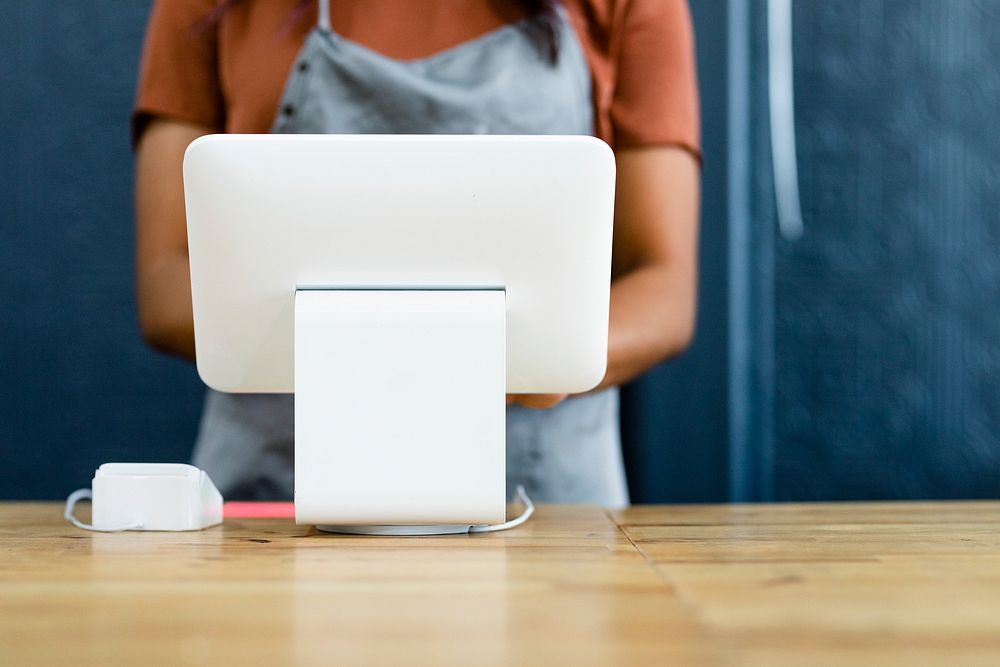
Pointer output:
x,y
288,110
303,66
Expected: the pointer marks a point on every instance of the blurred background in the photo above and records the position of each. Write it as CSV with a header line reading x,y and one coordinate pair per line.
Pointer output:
x,y
848,342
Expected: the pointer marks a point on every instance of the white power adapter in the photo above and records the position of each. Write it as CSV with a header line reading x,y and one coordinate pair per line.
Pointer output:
x,y
149,496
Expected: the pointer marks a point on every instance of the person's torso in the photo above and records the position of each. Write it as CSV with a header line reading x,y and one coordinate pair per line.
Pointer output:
x,y
501,82
258,42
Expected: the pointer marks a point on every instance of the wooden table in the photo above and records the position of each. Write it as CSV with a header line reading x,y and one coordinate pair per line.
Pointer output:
x,y
907,583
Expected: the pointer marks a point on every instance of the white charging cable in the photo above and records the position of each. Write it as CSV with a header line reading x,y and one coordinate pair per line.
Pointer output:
x,y
87,494
529,509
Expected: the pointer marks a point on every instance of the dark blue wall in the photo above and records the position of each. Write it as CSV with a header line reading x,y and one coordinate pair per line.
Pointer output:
x,y
77,386
860,361
876,335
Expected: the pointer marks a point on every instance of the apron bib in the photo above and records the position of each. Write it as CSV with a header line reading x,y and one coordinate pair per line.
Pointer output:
x,y
494,84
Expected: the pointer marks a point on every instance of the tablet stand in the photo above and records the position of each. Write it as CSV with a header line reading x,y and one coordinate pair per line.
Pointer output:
x,y
399,410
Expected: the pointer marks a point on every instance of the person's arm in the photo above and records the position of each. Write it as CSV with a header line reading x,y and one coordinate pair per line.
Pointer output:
x,y
654,263
655,260
653,124
163,279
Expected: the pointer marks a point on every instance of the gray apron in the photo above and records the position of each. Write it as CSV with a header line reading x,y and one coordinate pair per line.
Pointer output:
x,y
496,84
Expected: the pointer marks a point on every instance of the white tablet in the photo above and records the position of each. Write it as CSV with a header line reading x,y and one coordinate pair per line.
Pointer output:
x,y
269,215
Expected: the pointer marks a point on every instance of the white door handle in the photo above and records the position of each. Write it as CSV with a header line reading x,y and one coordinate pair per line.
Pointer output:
x,y
781,96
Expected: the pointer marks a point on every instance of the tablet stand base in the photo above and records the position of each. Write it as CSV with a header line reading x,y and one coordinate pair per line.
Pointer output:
x,y
399,410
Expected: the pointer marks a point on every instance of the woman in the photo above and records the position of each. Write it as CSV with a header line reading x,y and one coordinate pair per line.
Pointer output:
x,y
620,69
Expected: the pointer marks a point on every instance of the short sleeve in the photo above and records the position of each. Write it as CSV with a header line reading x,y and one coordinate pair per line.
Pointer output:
x,y
179,73
655,99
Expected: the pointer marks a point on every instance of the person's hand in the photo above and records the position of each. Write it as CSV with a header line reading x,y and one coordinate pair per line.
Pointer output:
x,y
536,401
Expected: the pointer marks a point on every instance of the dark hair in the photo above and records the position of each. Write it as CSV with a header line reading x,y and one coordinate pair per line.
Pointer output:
x,y
541,21
542,26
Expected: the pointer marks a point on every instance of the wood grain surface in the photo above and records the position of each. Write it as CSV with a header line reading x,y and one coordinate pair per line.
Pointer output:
x,y
902,583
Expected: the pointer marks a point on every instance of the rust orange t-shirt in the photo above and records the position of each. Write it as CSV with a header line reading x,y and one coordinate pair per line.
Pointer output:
x,y
227,70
